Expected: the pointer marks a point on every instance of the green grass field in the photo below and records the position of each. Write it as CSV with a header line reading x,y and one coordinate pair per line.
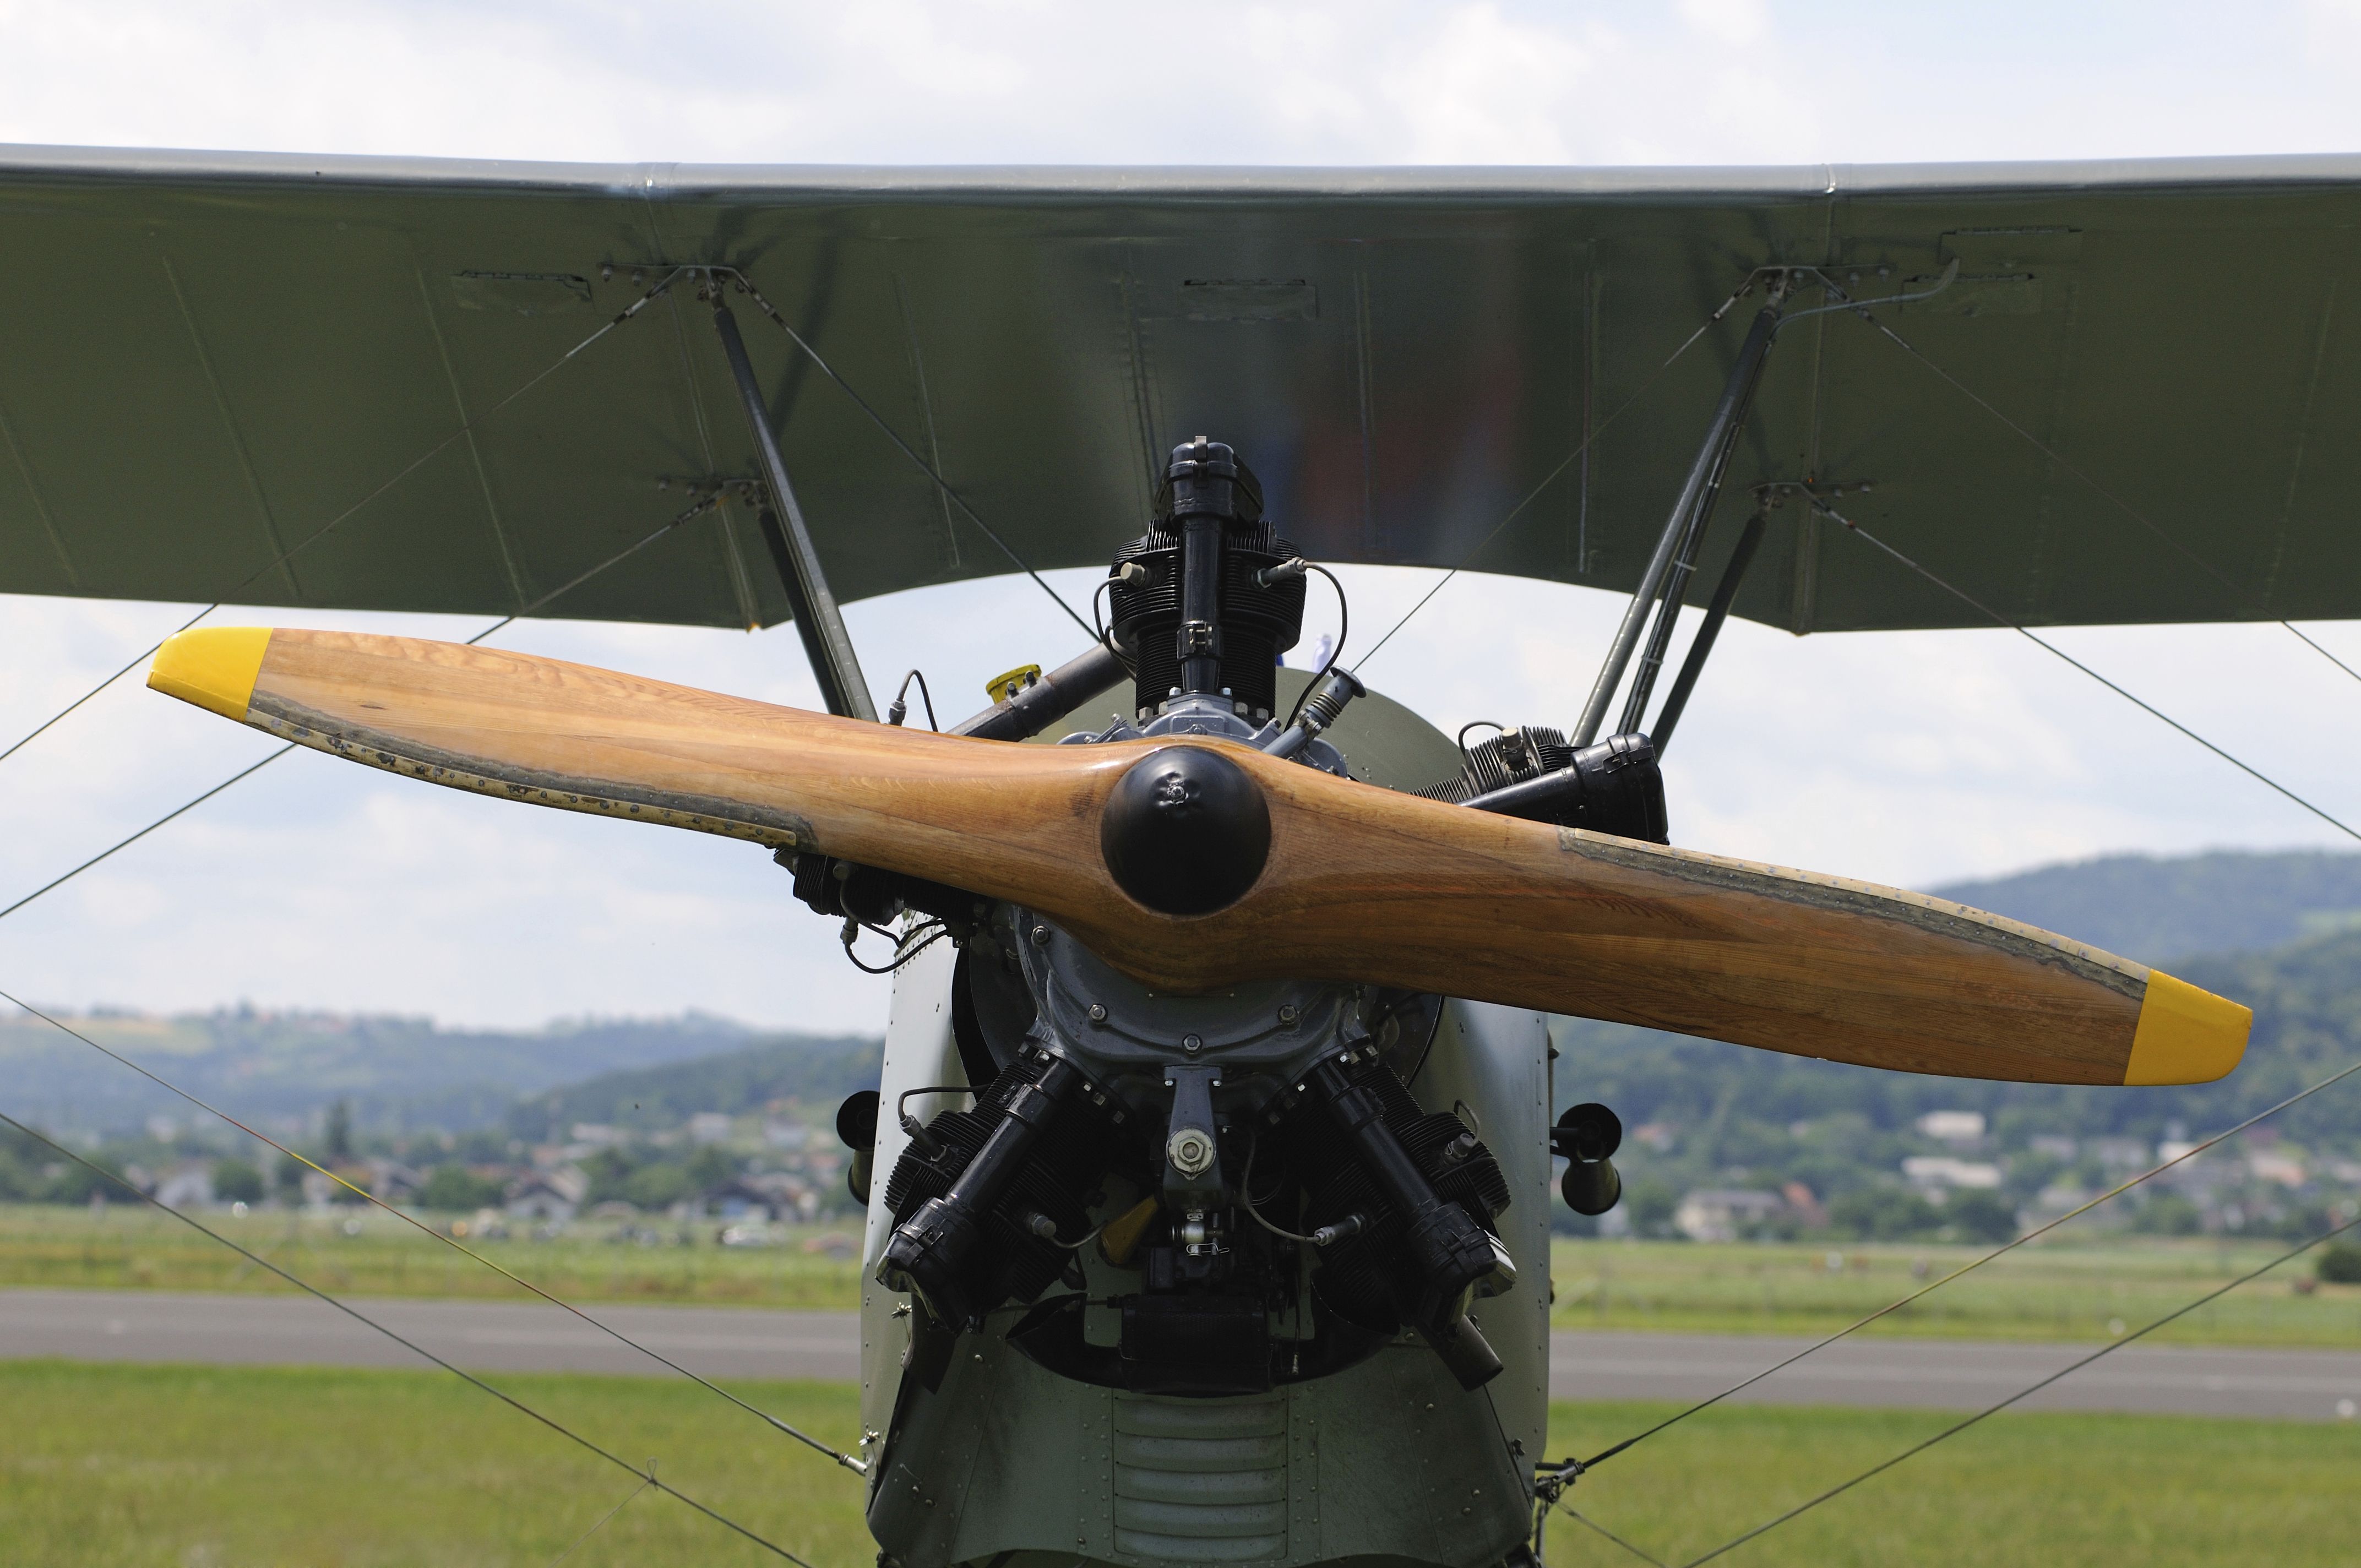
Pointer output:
x,y
2049,1291
107,1465
2045,1291
367,1252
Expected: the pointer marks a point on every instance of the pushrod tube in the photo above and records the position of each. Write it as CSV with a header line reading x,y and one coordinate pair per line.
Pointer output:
x,y
1701,647
818,621
1737,391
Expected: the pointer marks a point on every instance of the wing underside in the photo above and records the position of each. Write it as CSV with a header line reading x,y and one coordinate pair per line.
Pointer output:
x,y
215,361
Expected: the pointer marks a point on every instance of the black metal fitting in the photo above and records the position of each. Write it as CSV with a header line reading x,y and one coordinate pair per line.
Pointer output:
x,y
1586,1137
1327,699
842,890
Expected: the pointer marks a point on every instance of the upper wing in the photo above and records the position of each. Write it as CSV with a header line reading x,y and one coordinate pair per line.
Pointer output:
x,y
211,359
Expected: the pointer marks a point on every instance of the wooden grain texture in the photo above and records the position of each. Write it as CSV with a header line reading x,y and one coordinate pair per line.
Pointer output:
x,y
1363,883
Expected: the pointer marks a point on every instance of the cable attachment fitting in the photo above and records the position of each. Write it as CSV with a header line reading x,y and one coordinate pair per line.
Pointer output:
x,y
1343,1229
1329,695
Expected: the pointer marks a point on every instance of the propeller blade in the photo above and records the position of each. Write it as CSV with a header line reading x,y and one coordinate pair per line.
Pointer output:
x,y
1298,874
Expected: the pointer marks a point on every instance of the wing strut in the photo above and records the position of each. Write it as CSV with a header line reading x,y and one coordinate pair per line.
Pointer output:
x,y
1668,569
1701,646
826,642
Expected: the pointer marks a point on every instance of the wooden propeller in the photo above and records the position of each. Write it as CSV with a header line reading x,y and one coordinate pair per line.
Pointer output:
x,y
1355,883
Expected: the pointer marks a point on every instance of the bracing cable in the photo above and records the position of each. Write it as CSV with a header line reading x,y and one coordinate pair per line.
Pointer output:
x,y
2051,453
245,773
1591,1524
506,621
1960,1426
846,1460
648,1476
894,437
1972,1265
629,1497
35,733
466,428
1980,608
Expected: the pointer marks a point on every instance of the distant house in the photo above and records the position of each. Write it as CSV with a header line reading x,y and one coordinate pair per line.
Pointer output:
x,y
1938,1174
394,1182
1718,1215
186,1186
2285,1169
551,1196
772,1195
1953,1127
1805,1204
709,1128
2118,1154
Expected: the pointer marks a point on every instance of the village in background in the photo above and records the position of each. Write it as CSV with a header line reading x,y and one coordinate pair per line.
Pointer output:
x,y
696,1131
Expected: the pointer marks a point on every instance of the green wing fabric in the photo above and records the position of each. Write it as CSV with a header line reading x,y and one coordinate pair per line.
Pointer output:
x,y
205,360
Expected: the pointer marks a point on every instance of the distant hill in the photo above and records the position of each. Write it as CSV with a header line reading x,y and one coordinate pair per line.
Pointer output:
x,y
400,1074
2307,1003
2155,911
407,1074
816,1070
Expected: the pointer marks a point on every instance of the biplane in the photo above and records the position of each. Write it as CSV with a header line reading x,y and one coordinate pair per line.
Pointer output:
x,y
1207,1180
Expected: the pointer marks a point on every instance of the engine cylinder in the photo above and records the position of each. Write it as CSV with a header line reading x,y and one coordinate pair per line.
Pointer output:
x,y
1251,623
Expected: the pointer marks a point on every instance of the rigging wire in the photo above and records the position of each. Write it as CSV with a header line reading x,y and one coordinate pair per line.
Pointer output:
x,y
1972,1265
855,1466
1569,461
506,621
56,882
894,437
245,773
1859,308
37,730
1589,1523
1965,597
648,1476
466,427
1962,1425
610,1513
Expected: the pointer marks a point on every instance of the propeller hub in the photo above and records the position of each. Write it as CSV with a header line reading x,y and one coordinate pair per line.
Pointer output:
x,y
1186,831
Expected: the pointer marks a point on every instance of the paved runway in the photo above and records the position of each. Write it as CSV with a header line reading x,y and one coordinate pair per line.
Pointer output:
x,y
720,1342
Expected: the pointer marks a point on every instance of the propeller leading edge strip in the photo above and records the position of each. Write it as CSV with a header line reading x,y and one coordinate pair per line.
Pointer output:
x,y
1358,883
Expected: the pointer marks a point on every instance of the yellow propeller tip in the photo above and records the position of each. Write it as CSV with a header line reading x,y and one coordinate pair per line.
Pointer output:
x,y
2185,1035
214,667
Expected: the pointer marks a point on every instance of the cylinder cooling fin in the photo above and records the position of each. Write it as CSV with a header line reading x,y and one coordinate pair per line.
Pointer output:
x,y
1250,623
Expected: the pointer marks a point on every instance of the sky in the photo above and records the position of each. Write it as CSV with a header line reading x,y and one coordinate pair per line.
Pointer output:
x,y
1912,759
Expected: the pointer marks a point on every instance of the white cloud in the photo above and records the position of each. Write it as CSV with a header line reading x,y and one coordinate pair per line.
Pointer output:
x,y
1737,22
